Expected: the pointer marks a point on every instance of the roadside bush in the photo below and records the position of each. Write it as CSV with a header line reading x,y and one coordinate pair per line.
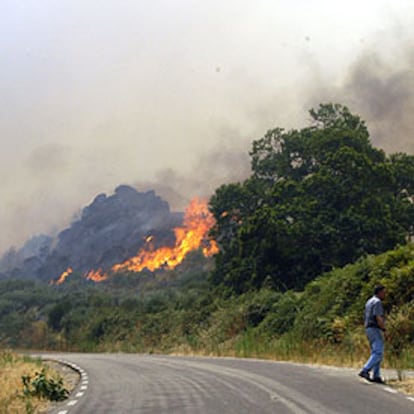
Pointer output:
x,y
42,387
400,329
259,304
281,316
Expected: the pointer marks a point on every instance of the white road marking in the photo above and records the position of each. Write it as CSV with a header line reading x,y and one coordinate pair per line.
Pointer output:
x,y
391,390
410,398
84,384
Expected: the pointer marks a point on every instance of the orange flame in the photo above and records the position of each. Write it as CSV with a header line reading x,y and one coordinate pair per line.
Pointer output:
x,y
63,276
96,275
191,236
197,222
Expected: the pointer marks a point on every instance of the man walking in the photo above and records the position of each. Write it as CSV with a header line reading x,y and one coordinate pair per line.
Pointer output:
x,y
374,321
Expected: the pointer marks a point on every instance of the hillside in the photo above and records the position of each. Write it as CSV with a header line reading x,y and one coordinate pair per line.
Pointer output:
x,y
297,248
177,311
109,230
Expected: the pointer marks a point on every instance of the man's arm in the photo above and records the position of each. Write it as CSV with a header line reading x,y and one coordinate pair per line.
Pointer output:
x,y
380,321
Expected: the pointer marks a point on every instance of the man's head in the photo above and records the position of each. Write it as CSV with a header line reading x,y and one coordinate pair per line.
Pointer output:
x,y
379,291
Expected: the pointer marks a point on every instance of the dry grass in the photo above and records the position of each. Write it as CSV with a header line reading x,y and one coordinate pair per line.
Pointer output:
x,y
12,400
406,385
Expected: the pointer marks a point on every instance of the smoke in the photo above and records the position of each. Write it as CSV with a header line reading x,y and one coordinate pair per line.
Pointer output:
x,y
170,95
381,90
385,95
226,163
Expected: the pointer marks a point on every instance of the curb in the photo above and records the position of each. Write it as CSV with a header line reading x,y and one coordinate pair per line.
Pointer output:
x,y
79,390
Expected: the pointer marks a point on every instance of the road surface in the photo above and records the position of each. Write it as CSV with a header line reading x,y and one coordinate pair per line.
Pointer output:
x,y
152,384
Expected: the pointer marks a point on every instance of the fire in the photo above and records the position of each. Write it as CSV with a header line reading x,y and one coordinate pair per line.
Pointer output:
x,y
96,275
197,222
63,276
190,236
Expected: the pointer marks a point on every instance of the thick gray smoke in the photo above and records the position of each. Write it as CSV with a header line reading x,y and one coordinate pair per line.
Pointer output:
x,y
169,95
229,162
381,91
384,93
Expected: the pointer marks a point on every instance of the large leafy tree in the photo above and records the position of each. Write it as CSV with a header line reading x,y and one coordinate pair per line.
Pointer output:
x,y
318,198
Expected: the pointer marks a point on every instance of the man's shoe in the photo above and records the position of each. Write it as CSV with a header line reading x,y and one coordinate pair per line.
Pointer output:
x,y
365,375
378,380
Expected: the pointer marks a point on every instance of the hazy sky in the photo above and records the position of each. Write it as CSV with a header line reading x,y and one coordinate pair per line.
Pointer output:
x,y
169,94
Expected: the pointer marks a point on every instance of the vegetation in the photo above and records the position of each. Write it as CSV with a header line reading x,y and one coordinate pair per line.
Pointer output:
x,y
323,218
318,198
42,387
189,316
23,389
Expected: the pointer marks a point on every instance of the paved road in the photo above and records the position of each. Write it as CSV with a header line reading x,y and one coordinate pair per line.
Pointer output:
x,y
132,383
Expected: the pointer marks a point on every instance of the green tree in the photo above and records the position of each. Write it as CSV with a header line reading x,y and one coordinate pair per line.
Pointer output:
x,y
318,198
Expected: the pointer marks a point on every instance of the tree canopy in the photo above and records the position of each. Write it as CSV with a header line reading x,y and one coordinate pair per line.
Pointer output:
x,y
318,198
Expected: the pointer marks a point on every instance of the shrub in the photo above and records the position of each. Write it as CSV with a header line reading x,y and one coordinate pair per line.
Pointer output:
x,y
42,387
281,316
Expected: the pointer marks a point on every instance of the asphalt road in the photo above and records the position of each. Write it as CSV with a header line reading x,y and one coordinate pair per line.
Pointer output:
x,y
134,383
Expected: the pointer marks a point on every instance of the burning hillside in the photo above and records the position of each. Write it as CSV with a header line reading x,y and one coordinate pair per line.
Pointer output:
x,y
197,222
191,235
